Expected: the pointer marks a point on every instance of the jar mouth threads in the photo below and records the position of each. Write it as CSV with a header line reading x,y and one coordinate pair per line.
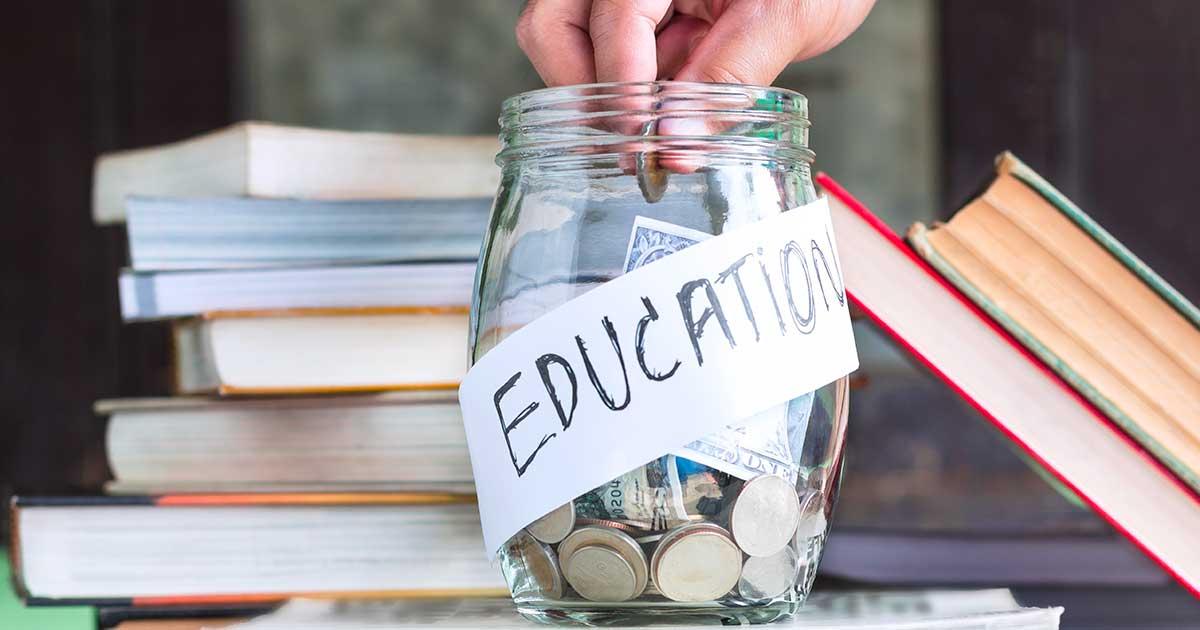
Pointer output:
x,y
718,120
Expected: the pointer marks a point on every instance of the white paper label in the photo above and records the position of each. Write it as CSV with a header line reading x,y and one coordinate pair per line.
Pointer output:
x,y
652,360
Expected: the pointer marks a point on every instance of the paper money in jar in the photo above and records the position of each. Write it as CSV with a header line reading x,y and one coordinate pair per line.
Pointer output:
x,y
647,497
761,444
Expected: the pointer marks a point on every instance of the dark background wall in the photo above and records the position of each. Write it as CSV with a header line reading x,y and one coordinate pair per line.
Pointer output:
x,y
1099,95
1102,97
80,79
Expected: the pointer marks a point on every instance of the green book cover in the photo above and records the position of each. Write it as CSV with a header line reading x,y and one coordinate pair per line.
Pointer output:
x,y
1008,163
14,615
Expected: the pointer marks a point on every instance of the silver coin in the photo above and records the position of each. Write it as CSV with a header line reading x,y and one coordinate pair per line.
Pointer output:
x,y
770,576
600,574
698,562
555,526
765,515
651,177
541,565
812,515
618,541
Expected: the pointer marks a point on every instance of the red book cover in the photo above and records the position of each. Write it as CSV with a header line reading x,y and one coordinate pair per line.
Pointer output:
x,y
1026,401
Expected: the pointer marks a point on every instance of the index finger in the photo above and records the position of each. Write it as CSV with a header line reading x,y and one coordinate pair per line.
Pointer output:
x,y
623,38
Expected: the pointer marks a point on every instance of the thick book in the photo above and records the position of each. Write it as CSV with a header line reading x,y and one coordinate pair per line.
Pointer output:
x,y
412,439
991,609
321,351
170,294
224,232
1024,399
1083,303
188,550
256,159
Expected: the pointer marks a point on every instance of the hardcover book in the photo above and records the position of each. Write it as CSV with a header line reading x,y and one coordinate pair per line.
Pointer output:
x,y
321,351
1083,303
1024,399
187,550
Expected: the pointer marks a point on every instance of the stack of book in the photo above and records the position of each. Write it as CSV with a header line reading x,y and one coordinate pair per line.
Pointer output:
x,y
316,285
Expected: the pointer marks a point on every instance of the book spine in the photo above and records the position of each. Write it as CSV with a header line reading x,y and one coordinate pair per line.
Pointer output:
x,y
14,549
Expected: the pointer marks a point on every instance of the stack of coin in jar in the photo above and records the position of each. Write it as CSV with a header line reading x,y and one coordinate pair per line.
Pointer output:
x,y
660,533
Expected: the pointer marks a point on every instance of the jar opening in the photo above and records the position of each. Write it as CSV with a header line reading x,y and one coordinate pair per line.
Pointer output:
x,y
615,118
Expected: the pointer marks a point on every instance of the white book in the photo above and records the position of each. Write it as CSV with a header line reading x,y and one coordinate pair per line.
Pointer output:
x,y
170,294
231,232
208,547
991,609
258,159
395,440
321,351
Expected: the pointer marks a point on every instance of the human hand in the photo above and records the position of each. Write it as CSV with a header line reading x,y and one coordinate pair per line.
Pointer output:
x,y
715,41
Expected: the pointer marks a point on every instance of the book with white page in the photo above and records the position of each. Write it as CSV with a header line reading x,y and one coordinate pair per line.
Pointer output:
x,y
231,232
394,439
993,609
257,159
159,295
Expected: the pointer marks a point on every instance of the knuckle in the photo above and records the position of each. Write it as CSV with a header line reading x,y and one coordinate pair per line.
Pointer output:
x,y
614,11
526,30
724,73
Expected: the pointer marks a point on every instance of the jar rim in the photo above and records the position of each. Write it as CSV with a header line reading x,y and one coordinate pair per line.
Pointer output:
x,y
609,118
561,93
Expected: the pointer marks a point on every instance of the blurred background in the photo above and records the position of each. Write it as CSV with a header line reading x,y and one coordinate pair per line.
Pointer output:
x,y
1100,96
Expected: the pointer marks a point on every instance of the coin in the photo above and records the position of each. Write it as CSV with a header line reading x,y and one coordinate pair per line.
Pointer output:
x,y
697,562
614,539
768,577
765,515
621,525
600,574
651,177
554,526
541,565
634,524
812,515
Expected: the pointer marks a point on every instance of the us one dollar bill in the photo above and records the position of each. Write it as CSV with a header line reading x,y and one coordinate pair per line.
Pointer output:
x,y
752,446
650,495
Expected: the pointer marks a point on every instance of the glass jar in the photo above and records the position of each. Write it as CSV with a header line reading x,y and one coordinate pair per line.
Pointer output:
x,y
580,165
